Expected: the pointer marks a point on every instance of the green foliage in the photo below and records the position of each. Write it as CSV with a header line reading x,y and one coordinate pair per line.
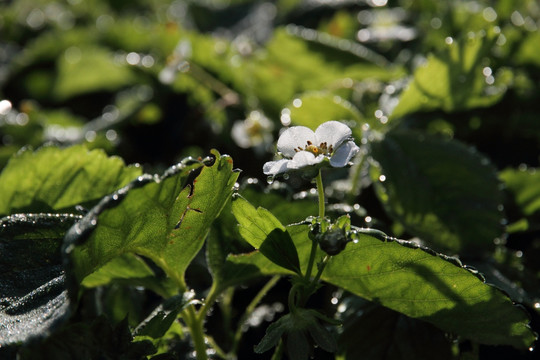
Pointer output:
x,y
99,259
55,180
165,219
422,180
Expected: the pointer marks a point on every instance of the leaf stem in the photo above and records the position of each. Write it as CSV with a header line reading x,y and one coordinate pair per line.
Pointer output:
x,y
250,308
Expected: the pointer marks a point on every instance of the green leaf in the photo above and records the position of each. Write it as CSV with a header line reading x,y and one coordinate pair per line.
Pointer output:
x,y
440,190
314,108
423,284
161,319
525,185
279,248
396,336
130,269
263,231
453,80
165,219
33,295
412,280
255,224
53,179
89,69
286,209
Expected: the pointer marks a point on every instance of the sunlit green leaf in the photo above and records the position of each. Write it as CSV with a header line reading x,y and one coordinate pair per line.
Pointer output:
x,y
314,108
263,231
440,190
53,179
89,69
428,286
454,80
129,269
411,280
525,185
165,219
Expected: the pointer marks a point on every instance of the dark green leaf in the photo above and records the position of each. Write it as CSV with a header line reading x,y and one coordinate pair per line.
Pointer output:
x,y
373,332
33,296
279,248
297,345
90,340
272,336
164,219
161,319
53,179
322,337
440,190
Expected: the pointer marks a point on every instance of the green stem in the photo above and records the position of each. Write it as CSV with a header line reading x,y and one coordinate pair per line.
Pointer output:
x,y
197,332
278,352
320,191
320,270
356,171
250,308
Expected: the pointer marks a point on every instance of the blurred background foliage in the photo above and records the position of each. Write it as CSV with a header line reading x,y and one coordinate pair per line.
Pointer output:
x,y
156,81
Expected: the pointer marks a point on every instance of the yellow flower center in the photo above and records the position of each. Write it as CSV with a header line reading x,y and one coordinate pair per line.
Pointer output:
x,y
322,149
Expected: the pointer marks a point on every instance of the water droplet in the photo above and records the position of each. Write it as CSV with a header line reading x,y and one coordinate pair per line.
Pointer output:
x,y
517,18
368,219
73,54
147,61
286,176
90,135
297,103
133,58
382,178
489,14
537,305
449,40
436,23
111,135
115,197
5,107
270,179
378,3
35,19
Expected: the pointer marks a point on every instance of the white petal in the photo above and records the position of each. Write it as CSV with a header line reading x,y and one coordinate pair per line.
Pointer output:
x,y
344,154
304,158
240,135
294,137
333,133
275,167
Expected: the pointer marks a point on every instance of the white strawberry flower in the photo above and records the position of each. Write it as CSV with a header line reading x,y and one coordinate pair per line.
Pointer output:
x,y
302,148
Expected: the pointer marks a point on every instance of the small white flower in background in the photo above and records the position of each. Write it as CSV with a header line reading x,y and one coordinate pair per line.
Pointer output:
x,y
255,131
301,147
